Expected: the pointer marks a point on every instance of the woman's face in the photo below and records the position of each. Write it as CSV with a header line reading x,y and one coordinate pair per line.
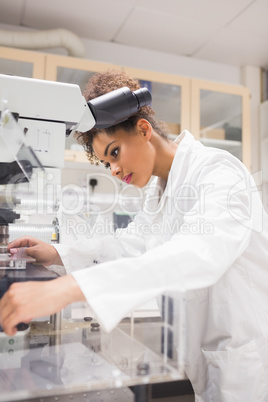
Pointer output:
x,y
129,155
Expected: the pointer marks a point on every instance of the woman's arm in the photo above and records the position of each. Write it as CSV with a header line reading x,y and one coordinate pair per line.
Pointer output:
x,y
83,253
28,300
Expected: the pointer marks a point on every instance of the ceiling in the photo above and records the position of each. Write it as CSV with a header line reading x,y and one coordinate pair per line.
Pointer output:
x,y
226,31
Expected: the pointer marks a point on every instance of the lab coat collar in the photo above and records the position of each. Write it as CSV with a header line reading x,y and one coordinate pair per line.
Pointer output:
x,y
166,189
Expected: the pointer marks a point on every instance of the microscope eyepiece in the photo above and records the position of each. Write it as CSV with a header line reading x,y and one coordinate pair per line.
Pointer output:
x,y
117,106
143,97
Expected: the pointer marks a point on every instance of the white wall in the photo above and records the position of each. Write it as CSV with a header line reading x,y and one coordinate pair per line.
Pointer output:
x,y
160,61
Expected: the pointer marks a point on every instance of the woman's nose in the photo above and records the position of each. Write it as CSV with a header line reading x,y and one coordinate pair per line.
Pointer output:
x,y
115,170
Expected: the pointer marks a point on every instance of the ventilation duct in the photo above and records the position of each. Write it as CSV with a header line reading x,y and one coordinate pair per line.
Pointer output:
x,y
53,38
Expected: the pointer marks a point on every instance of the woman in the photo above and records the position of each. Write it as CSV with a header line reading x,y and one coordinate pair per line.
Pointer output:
x,y
202,231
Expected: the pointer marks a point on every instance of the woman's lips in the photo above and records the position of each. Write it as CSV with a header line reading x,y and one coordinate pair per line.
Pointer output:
x,y
127,178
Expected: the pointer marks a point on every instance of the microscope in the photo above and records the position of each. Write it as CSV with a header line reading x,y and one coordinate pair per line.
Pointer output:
x,y
36,117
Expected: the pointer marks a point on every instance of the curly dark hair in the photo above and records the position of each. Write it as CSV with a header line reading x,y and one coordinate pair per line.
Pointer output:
x,y
102,83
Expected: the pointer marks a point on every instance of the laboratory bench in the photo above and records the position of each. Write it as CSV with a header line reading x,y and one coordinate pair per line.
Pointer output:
x,y
68,356
77,361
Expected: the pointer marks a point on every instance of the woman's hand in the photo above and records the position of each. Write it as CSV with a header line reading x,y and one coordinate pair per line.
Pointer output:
x,y
28,300
43,253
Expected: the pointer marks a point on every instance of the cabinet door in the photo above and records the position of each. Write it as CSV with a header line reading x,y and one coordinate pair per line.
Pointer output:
x,y
22,63
73,71
170,97
220,117
264,141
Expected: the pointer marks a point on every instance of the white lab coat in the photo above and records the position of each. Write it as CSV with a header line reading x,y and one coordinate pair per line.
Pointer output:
x,y
205,233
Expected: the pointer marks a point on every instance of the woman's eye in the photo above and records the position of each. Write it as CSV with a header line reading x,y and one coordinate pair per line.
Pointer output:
x,y
114,152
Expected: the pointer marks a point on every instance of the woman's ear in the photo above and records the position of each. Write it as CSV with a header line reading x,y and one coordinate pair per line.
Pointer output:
x,y
144,128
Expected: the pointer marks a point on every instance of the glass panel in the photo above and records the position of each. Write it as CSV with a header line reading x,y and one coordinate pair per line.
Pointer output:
x,y
16,67
73,76
221,121
166,103
66,356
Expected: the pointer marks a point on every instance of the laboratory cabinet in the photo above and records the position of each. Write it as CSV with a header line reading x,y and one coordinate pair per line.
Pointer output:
x,y
264,139
221,117
216,113
170,93
23,63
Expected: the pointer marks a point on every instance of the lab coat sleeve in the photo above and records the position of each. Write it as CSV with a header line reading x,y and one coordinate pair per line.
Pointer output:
x,y
128,242
188,260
